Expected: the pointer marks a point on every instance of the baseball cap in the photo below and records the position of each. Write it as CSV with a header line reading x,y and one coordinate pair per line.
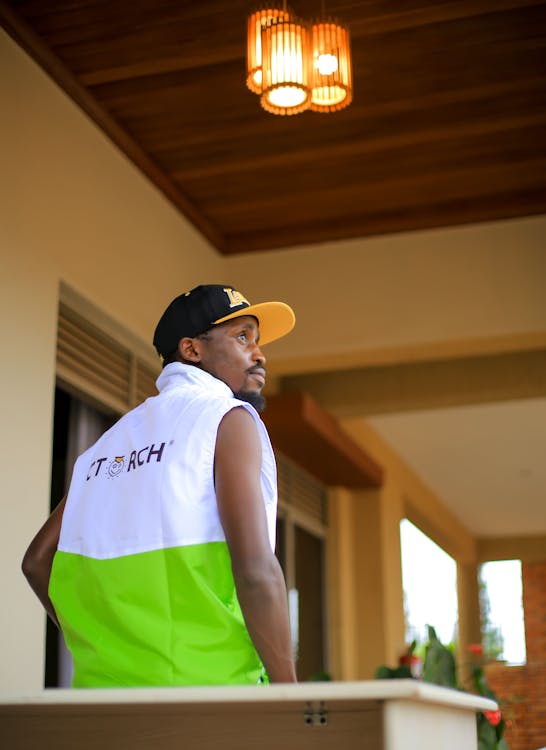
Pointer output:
x,y
207,305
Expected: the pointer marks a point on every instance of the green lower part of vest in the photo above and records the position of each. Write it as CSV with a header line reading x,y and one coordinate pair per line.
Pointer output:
x,y
166,617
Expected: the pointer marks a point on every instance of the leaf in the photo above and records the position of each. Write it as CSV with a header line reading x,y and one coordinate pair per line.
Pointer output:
x,y
439,667
487,737
383,673
402,672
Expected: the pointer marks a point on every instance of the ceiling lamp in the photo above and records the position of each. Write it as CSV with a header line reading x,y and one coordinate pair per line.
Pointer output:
x,y
255,23
331,82
294,66
286,67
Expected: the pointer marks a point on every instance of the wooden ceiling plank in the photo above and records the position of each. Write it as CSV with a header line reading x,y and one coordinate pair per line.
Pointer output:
x,y
432,14
392,173
356,122
516,127
97,64
90,37
403,64
393,221
84,21
90,20
93,38
454,184
249,157
160,65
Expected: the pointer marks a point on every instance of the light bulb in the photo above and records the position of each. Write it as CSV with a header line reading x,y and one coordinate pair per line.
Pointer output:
x,y
287,96
326,64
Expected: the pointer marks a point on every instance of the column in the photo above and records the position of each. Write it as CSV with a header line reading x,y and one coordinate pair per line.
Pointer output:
x,y
469,626
366,599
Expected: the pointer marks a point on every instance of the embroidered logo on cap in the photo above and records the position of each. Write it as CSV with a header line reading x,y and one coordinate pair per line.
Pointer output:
x,y
235,298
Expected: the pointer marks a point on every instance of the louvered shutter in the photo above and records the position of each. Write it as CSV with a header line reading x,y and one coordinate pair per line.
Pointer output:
x,y
93,364
298,489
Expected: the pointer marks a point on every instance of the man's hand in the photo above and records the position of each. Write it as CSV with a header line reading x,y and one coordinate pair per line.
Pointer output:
x,y
259,581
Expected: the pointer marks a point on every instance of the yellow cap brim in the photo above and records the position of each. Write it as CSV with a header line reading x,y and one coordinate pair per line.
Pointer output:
x,y
275,319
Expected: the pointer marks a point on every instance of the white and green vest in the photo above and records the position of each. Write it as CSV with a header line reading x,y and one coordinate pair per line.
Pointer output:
x,y
142,581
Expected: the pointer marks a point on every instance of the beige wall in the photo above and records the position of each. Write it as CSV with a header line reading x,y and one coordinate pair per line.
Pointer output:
x,y
72,208
28,314
442,292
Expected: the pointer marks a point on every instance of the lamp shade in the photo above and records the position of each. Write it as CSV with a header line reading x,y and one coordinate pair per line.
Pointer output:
x,y
331,81
255,23
286,66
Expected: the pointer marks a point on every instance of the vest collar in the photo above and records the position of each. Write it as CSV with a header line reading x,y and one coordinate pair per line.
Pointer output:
x,y
177,375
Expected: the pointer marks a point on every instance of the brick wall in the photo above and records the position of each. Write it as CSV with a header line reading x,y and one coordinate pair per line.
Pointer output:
x,y
523,688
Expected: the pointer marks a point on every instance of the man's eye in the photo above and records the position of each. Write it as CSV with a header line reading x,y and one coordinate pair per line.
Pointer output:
x,y
243,336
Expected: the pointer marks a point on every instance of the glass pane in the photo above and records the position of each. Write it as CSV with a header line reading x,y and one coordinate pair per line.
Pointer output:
x,y
429,577
501,604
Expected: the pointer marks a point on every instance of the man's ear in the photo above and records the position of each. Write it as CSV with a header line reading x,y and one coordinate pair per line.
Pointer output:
x,y
189,349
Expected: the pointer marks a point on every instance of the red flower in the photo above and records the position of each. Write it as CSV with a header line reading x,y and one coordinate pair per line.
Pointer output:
x,y
475,648
493,717
408,660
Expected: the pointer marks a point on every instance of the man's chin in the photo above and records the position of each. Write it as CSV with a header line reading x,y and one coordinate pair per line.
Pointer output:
x,y
254,398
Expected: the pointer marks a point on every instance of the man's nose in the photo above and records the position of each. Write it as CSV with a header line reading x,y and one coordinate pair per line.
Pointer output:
x,y
258,356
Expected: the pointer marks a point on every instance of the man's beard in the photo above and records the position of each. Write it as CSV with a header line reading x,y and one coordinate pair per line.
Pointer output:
x,y
253,398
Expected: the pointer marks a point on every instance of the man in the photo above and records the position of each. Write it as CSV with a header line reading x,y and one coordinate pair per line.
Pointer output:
x,y
159,565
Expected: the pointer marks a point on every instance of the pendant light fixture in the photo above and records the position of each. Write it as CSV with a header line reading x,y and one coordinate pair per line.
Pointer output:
x,y
294,66
255,23
332,85
286,67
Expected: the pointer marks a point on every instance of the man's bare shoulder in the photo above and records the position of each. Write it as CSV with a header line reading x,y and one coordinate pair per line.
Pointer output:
x,y
237,426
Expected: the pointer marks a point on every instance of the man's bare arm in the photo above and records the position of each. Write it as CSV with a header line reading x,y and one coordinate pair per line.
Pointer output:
x,y
261,589
39,556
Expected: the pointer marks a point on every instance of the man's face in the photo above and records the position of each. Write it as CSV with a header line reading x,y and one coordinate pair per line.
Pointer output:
x,y
231,353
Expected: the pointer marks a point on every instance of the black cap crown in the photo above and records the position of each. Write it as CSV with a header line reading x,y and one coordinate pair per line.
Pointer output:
x,y
194,312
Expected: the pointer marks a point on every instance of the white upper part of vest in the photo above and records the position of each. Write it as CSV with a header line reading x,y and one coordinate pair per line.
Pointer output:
x,y
148,482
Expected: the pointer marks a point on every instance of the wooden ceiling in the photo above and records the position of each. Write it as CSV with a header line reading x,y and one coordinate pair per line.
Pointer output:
x,y
447,126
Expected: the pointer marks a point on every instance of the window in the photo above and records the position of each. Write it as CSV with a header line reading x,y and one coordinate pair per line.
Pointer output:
x,y
301,549
501,607
429,577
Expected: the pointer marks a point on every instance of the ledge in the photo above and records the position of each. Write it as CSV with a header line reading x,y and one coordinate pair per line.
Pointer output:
x,y
311,437
333,692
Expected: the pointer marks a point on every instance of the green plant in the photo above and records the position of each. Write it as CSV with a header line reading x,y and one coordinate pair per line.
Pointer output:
x,y
405,668
491,724
439,665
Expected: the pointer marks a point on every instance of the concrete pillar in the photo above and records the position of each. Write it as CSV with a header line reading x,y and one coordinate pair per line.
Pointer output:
x,y
366,598
469,626
341,585
381,602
